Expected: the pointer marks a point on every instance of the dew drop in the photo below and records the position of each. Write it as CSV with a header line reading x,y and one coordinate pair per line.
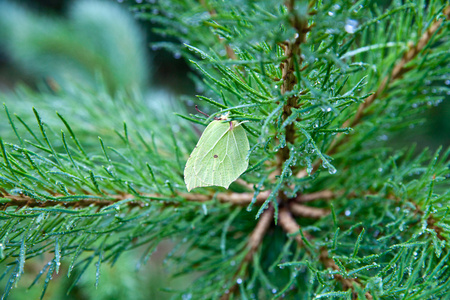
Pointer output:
x,y
351,25
383,137
332,170
187,296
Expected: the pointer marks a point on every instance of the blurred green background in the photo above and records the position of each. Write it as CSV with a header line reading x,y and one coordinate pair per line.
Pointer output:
x,y
49,43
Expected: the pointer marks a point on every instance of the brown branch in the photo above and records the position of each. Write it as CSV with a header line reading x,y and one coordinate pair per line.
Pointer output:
x,y
242,199
307,211
347,283
431,220
260,230
325,195
293,55
292,52
253,244
238,199
244,183
289,225
20,201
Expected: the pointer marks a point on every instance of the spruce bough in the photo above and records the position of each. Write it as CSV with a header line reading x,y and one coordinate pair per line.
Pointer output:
x,y
326,208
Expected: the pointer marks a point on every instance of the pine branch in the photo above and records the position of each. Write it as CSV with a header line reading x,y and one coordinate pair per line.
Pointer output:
x,y
237,199
292,52
290,226
397,72
307,211
325,195
347,283
254,242
19,201
431,220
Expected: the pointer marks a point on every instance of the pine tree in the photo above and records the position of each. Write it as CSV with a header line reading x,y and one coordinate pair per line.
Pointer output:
x,y
328,208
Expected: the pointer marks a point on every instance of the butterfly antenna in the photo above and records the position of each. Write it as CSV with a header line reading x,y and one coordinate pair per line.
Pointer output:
x,y
196,108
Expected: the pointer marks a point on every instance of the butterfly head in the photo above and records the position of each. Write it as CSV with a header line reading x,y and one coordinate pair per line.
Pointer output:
x,y
224,117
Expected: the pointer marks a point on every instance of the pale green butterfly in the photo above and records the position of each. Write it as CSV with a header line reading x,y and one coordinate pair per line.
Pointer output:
x,y
220,156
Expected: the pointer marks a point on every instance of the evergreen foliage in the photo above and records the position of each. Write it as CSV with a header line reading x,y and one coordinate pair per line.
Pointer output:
x,y
326,209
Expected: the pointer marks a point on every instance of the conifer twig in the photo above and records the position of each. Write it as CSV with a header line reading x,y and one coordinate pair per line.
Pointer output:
x,y
292,52
307,211
347,283
397,72
325,195
254,241
20,201
431,220
289,225
238,199
242,198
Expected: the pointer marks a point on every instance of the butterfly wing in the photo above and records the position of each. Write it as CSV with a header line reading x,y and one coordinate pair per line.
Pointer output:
x,y
220,156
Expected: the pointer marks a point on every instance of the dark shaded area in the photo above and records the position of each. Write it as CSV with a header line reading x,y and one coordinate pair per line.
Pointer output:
x,y
55,6
9,76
